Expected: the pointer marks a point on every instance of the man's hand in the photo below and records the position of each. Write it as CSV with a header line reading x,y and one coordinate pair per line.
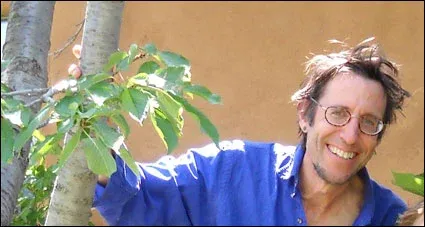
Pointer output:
x,y
75,69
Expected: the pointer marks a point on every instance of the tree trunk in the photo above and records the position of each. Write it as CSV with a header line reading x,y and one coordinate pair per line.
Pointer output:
x,y
27,44
73,193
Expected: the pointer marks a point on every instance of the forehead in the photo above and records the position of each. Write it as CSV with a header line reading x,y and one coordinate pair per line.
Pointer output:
x,y
355,92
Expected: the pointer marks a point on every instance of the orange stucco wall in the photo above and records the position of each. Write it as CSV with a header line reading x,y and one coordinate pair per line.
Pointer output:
x,y
251,53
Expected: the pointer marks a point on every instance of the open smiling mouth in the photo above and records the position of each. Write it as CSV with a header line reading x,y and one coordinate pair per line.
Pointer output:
x,y
341,153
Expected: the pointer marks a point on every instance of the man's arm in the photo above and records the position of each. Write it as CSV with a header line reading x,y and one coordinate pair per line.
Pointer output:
x,y
162,193
75,71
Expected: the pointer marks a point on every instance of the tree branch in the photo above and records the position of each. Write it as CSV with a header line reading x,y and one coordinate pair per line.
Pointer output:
x,y
70,40
46,122
49,92
45,99
25,92
57,88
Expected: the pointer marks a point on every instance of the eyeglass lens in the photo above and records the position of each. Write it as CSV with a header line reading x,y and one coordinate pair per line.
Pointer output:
x,y
339,116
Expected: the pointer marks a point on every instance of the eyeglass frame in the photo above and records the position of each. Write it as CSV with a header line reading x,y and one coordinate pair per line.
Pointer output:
x,y
380,122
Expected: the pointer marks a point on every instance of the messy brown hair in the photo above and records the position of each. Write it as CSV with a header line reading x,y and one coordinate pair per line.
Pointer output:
x,y
365,59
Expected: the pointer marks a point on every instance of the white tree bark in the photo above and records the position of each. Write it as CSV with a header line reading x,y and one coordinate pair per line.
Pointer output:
x,y
27,44
73,193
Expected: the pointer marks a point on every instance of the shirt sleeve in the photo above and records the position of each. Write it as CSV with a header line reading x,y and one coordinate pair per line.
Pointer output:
x,y
173,191
388,206
394,211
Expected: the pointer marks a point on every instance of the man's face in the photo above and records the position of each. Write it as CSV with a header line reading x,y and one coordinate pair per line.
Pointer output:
x,y
330,149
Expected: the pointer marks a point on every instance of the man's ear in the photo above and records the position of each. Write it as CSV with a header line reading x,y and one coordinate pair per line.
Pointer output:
x,y
302,114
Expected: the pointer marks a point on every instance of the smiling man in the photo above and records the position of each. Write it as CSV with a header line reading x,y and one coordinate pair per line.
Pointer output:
x,y
343,109
344,106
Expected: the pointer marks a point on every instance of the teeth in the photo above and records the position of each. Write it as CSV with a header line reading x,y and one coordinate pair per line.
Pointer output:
x,y
340,153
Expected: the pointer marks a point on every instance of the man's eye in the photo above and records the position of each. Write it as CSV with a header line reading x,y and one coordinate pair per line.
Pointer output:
x,y
340,113
370,121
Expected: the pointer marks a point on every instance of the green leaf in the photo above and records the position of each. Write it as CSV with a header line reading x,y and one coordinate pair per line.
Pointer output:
x,y
70,147
67,106
203,92
108,135
172,59
165,130
161,72
10,104
89,80
128,159
65,125
89,113
409,182
156,81
119,120
174,74
148,67
106,111
123,65
7,136
172,110
99,159
23,136
114,59
204,122
136,103
150,48
138,79
132,52
18,115
4,87
15,117
26,115
102,91
50,143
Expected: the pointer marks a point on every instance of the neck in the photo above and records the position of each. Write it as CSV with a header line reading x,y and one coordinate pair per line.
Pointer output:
x,y
321,194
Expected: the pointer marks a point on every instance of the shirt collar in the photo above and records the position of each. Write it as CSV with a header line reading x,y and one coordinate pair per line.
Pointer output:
x,y
368,207
298,159
294,176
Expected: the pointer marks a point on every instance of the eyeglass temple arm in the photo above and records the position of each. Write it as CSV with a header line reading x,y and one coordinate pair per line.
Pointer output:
x,y
312,99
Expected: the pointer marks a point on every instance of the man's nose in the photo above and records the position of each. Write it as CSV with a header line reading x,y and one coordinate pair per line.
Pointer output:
x,y
350,131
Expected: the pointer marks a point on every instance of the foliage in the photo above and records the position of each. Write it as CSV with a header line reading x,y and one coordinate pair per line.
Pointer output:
x,y
92,110
410,182
34,197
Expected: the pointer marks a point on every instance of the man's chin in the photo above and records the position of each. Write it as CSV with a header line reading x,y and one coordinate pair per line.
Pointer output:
x,y
333,179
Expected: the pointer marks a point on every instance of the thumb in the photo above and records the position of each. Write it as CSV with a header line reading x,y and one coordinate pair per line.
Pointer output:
x,y
74,70
76,50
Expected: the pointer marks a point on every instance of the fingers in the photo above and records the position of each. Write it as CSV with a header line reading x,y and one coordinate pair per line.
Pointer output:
x,y
102,180
76,50
74,70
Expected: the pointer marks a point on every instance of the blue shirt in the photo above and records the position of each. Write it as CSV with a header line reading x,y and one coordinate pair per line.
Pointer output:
x,y
243,183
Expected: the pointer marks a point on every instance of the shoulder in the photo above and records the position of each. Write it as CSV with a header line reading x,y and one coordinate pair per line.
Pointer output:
x,y
386,197
231,151
243,159
236,155
387,203
259,152
243,147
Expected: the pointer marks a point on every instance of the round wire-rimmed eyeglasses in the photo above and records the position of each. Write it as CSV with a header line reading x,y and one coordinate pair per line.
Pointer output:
x,y
340,116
